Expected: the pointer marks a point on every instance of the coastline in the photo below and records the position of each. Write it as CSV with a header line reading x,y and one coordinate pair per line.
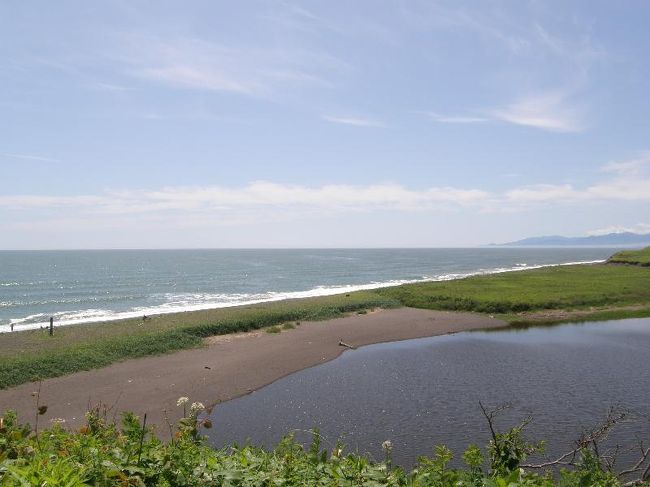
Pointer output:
x,y
228,366
273,297
535,297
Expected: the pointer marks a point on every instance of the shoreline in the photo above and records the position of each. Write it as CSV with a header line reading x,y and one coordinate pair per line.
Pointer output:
x,y
228,366
319,291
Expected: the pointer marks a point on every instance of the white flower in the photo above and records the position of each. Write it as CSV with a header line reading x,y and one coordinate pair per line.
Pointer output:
x,y
182,400
196,407
387,446
57,420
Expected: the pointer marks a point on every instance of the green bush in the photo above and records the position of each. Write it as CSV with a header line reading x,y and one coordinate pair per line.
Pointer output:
x,y
102,453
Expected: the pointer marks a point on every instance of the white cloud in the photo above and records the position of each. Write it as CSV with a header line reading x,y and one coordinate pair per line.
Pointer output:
x,y
543,193
641,228
629,182
265,200
257,195
547,111
550,111
355,121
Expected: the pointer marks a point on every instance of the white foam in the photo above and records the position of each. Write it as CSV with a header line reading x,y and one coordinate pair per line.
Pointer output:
x,y
177,303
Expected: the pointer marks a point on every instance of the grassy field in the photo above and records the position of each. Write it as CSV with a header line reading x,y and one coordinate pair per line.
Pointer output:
x,y
577,287
634,257
548,295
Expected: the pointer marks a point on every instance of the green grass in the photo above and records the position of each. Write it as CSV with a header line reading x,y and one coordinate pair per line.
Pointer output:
x,y
633,257
33,355
552,288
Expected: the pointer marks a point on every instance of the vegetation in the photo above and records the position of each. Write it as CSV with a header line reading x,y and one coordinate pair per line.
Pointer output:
x,y
102,454
577,287
633,257
33,355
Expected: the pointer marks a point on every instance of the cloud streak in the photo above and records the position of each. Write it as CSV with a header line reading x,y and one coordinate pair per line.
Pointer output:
x,y
29,157
548,111
455,119
354,121
266,199
195,64
545,111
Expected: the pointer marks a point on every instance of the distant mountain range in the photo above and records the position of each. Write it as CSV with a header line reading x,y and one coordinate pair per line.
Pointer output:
x,y
624,239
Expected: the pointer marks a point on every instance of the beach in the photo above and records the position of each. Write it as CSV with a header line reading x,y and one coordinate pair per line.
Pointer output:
x,y
228,366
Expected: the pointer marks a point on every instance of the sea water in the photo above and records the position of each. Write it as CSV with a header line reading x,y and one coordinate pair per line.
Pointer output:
x,y
99,285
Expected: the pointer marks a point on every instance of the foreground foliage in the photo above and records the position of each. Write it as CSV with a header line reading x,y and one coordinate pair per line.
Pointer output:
x,y
103,454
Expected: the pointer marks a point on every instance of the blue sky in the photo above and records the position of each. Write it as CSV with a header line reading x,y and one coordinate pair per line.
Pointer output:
x,y
321,124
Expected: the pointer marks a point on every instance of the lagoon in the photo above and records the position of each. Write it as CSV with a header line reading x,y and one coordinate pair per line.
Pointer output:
x,y
419,393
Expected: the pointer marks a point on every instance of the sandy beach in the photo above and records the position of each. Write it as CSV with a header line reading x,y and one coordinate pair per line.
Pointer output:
x,y
227,367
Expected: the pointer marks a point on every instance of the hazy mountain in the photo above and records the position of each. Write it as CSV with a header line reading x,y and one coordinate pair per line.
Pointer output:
x,y
624,239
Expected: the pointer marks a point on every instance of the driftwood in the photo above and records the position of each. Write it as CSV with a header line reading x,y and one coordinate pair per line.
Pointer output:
x,y
343,344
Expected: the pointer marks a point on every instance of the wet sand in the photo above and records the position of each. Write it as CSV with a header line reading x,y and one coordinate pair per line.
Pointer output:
x,y
227,367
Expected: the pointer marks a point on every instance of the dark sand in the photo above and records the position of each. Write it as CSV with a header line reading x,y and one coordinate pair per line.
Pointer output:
x,y
228,367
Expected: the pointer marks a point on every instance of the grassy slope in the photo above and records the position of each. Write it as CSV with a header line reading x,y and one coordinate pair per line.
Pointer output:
x,y
634,257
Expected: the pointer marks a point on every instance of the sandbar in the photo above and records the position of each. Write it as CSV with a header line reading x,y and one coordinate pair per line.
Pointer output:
x,y
227,367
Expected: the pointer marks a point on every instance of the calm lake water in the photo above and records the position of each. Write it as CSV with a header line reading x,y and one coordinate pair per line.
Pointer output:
x,y
99,285
419,393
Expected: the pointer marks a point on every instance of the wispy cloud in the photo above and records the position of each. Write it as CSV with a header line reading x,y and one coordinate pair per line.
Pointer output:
x,y
355,121
197,64
547,111
629,167
461,119
28,157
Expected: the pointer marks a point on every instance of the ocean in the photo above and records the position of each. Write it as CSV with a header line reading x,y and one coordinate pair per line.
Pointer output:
x,y
84,286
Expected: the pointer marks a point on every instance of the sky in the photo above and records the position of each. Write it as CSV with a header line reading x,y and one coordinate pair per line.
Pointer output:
x,y
200,124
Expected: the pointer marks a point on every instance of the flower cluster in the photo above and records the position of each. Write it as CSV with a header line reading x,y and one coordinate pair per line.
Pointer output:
x,y
387,446
196,408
